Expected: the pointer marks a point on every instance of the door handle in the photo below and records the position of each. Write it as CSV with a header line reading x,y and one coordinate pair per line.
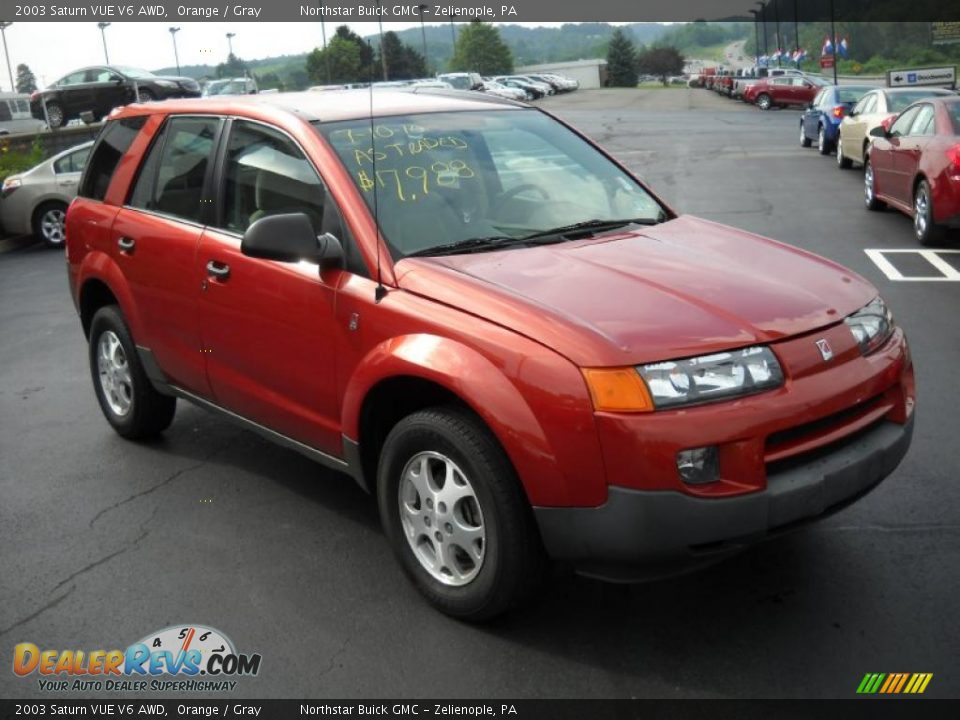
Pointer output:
x,y
218,270
126,244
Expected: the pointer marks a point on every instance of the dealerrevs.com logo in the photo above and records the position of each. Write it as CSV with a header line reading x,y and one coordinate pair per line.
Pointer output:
x,y
180,658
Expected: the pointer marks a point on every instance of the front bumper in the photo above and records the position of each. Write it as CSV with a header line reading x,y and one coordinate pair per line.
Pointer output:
x,y
638,533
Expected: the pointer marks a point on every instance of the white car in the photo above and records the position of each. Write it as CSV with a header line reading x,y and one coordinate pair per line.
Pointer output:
x,y
492,87
436,84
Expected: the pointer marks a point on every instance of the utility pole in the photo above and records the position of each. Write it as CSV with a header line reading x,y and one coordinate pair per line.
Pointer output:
x,y
103,35
423,33
776,19
176,55
6,52
756,35
833,39
230,37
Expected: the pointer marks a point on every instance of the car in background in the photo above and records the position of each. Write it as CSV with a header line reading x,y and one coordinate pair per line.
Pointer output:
x,y
492,87
35,202
15,114
462,80
784,91
533,92
547,88
428,83
821,120
101,88
566,84
231,86
914,166
325,88
873,108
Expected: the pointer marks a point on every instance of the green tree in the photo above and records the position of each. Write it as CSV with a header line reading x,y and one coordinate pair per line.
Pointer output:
x,y
403,62
660,61
233,67
349,56
26,82
480,49
621,61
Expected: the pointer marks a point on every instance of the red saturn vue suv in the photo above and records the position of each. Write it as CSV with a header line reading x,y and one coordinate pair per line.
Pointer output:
x,y
489,323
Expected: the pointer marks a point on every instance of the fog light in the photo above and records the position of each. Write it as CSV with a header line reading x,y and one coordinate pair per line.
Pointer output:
x,y
698,466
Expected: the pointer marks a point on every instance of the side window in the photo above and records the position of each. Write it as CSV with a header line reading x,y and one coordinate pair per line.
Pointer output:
x,y
820,101
102,75
74,78
923,124
73,162
171,179
902,125
114,141
267,174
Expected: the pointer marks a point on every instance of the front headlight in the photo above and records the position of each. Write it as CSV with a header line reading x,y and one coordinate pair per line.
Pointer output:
x,y
10,184
871,325
712,377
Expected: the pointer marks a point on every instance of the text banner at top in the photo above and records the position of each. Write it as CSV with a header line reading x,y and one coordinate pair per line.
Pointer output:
x,y
499,12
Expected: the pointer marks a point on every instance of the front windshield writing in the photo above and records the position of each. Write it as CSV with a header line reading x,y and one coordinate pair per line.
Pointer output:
x,y
447,177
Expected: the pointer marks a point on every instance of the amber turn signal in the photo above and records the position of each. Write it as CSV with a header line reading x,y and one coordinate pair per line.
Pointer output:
x,y
617,390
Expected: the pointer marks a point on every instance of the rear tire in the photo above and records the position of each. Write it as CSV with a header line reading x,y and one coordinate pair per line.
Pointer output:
x,y
48,223
843,162
869,187
764,102
445,484
128,401
823,145
804,140
928,233
55,118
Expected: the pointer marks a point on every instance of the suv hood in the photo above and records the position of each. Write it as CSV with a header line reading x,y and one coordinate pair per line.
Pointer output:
x,y
685,287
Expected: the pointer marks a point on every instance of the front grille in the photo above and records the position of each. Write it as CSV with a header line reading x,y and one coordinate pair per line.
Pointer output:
x,y
826,431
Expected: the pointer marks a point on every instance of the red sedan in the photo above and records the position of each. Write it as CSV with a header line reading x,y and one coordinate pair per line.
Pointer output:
x,y
915,167
784,90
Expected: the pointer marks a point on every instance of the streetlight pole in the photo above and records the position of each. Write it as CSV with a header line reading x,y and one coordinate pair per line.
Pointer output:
x,y
776,19
176,55
103,36
423,33
833,39
230,37
762,15
6,52
756,35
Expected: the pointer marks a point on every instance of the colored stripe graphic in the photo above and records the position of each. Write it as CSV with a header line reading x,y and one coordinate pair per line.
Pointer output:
x,y
894,683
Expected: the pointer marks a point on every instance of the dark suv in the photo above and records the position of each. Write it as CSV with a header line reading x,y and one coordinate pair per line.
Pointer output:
x,y
99,89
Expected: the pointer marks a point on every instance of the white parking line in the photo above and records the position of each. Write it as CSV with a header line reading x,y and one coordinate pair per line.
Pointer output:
x,y
948,273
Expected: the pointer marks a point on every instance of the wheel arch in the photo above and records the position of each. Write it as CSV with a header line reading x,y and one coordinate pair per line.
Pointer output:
x,y
101,283
407,373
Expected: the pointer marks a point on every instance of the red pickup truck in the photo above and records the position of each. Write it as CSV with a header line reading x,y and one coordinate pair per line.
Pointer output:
x,y
785,90
492,325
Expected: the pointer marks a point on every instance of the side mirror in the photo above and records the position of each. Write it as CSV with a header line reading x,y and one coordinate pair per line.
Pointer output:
x,y
291,238
879,131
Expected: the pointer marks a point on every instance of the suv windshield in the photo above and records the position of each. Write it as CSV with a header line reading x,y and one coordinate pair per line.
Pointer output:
x,y
455,177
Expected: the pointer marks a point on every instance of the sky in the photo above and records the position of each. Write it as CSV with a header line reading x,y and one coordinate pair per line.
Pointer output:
x,y
53,49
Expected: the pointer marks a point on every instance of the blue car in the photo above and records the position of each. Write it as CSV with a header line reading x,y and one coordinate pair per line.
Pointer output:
x,y
821,120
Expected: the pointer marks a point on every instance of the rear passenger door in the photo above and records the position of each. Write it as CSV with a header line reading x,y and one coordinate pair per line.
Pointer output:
x,y
268,327
156,236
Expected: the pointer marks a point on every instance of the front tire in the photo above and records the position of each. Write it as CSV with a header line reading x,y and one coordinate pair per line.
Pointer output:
x,y
48,224
764,102
926,230
804,140
869,187
128,401
456,515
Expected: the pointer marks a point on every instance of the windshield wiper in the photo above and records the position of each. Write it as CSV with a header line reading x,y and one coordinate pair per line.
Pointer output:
x,y
469,245
541,237
586,228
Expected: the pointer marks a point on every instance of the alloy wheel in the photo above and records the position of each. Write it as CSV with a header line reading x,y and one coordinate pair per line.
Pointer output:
x,y
868,183
441,518
51,226
114,373
921,212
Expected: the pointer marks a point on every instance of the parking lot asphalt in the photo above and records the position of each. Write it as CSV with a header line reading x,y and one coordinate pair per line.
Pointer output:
x,y
104,541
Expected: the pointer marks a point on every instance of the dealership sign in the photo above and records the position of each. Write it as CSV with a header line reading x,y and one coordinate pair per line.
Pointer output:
x,y
944,76
943,33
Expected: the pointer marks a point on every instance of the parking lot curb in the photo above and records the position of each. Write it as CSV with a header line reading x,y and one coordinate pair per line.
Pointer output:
x,y
15,243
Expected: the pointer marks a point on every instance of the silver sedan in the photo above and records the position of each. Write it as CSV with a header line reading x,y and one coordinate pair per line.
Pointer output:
x,y
35,202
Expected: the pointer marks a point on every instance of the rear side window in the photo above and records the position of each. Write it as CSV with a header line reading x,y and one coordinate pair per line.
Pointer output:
x,y
73,162
172,178
114,141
